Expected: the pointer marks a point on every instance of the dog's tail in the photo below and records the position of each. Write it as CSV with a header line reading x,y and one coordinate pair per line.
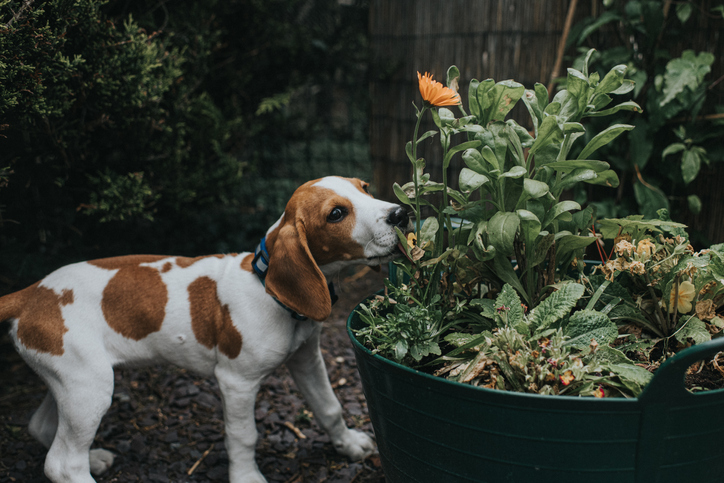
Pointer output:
x,y
11,305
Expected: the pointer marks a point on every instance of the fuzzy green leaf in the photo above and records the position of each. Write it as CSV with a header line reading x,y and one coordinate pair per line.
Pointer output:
x,y
556,306
693,329
585,325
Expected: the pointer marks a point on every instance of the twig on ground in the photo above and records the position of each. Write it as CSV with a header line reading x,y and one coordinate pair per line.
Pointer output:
x,y
198,462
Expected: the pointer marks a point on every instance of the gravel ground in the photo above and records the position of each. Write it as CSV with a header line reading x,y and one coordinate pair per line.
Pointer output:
x,y
165,424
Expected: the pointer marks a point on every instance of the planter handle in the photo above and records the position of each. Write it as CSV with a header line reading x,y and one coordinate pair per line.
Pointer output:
x,y
668,381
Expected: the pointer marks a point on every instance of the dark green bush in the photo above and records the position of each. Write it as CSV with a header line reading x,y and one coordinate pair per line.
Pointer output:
x,y
130,125
681,128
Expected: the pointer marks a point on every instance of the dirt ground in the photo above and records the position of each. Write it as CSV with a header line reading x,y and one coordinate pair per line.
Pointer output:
x,y
165,424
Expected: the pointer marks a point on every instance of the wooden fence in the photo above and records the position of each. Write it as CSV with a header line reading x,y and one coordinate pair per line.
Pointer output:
x,y
499,39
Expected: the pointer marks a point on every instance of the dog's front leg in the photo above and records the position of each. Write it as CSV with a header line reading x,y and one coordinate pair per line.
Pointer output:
x,y
238,395
310,374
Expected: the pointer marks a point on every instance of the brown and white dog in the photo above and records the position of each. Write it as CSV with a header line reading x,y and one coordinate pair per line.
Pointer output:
x,y
213,315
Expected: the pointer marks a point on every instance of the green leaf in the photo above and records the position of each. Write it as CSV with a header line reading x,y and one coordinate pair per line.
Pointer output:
x,y
571,164
577,87
502,228
690,165
457,149
624,106
611,81
603,138
481,94
585,325
575,176
650,199
473,105
558,209
515,172
683,11
631,375
673,149
570,243
429,230
490,157
503,97
399,192
550,131
694,203
605,178
529,227
504,270
475,161
556,306
532,189
693,329
428,134
470,180
512,311
453,74
688,71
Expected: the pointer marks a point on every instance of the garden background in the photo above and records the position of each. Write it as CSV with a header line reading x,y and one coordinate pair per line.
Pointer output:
x,y
182,127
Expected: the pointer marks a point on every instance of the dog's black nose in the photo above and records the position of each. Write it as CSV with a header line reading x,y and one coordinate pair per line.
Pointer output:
x,y
398,217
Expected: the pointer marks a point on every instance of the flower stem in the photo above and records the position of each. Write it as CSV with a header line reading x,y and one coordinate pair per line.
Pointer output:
x,y
414,170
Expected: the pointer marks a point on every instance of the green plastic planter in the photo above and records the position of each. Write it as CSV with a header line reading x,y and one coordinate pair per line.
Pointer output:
x,y
432,430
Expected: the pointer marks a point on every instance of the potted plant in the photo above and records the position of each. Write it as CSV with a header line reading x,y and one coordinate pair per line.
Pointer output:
x,y
493,353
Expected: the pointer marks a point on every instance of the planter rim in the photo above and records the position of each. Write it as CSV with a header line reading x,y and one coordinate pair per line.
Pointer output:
x,y
666,383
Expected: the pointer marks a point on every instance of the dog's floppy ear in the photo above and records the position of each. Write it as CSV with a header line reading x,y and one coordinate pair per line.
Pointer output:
x,y
294,278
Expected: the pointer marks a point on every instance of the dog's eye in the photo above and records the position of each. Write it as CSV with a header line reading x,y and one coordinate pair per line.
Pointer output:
x,y
337,214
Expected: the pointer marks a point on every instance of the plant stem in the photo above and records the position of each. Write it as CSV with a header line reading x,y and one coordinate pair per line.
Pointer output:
x,y
664,320
414,170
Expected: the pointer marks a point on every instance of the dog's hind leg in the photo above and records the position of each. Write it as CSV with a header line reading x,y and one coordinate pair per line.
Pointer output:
x,y
81,400
44,422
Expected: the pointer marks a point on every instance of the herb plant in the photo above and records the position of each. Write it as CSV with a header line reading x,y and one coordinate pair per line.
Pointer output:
x,y
506,240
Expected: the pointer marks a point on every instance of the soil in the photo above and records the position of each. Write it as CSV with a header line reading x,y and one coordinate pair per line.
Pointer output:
x,y
165,424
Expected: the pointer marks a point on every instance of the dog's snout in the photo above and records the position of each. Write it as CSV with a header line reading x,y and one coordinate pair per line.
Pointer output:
x,y
398,217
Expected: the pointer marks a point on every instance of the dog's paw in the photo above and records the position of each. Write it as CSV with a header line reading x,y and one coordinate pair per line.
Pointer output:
x,y
356,445
100,460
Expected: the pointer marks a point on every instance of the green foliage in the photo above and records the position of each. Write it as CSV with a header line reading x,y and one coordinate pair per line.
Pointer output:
x,y
567,355
679,131
122,112
510,202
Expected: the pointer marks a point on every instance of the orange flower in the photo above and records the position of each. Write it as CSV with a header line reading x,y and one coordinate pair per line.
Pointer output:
x,y
566,378
435,94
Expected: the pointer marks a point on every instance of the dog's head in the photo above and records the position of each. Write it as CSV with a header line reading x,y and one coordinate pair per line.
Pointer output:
x,y
328,223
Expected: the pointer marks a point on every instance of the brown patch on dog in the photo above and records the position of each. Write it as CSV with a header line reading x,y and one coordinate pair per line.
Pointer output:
x,y
246,263
134,301
117,263
40,321
185,262
210,320
166,267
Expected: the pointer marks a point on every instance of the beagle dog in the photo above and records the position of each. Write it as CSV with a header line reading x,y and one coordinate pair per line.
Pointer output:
x,y
236,317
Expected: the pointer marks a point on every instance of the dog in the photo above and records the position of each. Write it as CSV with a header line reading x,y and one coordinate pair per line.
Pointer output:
x,y
236,317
